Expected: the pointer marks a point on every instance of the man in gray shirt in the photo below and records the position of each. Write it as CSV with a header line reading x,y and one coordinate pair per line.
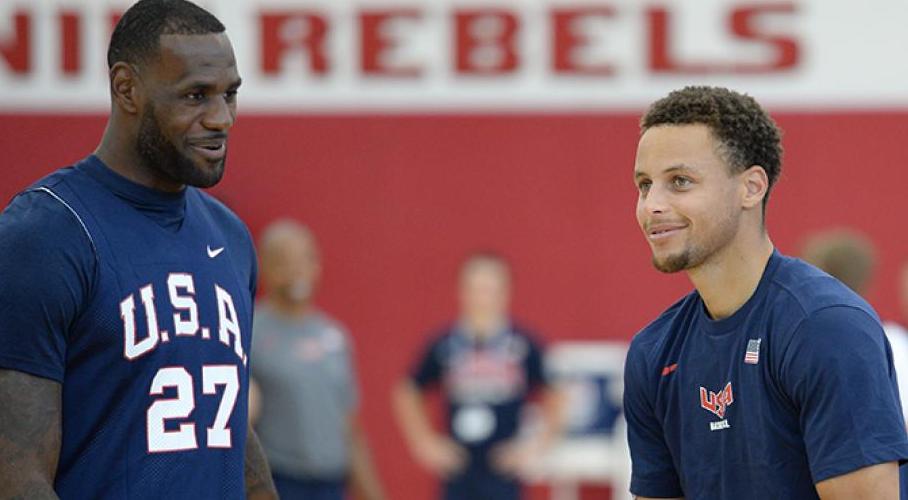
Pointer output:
x,y
304,397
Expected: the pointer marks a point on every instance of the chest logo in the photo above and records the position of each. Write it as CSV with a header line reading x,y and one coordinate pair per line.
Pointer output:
x,y
717,403
214,252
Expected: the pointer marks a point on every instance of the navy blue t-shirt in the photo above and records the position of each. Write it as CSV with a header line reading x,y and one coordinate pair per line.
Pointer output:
x,y
485,384
795,387
139,303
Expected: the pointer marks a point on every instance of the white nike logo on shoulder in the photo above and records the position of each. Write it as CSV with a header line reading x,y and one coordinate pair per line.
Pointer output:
x,y
214,252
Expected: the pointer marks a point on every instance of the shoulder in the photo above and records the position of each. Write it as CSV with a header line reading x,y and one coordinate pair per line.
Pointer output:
x,y
223,216
803,290
832,339
326,320
806,305
441,341
39,219
527,335
333,329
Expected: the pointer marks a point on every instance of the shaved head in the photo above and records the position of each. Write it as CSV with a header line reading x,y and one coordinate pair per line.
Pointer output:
x,y
281,231
291,263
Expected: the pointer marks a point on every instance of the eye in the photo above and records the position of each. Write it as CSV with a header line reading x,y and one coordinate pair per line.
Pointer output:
x,y
195,96
230,95
681,182
644,185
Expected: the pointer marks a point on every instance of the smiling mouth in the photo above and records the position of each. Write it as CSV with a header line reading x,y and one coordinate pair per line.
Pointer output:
x,y
664,232
212,151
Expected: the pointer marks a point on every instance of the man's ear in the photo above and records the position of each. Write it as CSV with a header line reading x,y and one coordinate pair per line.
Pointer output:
x,y
126,87
755,184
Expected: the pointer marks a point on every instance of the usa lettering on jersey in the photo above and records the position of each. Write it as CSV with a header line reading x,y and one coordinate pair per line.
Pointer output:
x,y
181,292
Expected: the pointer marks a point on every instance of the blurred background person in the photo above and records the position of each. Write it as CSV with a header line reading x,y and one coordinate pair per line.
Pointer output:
x,y
850,257
304,396
486,367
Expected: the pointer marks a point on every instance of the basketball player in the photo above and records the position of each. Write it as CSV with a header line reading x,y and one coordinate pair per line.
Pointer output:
x,y
126,292
771,379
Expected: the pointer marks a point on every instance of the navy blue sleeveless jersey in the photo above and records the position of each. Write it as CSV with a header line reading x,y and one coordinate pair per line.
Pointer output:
x,y
794,388
139,303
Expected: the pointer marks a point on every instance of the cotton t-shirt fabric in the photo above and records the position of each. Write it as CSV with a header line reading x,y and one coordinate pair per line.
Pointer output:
x,y
795,387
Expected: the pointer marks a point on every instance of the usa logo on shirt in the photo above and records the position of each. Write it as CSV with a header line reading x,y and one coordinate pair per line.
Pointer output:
x,y
717,403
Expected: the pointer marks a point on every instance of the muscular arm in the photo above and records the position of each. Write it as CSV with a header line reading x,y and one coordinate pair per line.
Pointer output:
x,y
259,485
879,481
30,432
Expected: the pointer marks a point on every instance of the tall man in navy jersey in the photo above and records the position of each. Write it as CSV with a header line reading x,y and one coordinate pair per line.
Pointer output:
x,y
771,380
126,293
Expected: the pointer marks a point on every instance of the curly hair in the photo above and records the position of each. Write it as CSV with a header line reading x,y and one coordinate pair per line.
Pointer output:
x,y
747,135
136,38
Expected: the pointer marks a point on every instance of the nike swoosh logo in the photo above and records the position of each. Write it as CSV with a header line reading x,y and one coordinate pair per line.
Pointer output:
x,y
214,252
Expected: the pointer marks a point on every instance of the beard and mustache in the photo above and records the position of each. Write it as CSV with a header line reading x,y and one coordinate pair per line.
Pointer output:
x,y
697,253
158,153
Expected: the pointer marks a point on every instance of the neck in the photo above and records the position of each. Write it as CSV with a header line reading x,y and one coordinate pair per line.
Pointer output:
x,y
121,156
483,327
729,278
290,307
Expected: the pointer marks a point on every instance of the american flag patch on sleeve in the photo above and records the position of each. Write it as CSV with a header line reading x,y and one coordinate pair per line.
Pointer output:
x,y
752,355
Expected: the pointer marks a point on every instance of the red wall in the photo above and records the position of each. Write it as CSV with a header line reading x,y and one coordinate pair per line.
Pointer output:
x,y
397,200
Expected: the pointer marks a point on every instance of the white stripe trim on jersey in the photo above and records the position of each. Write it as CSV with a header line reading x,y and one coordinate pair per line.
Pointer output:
x,y
75,214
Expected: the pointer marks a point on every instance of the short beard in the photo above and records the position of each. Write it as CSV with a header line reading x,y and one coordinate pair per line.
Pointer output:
x,y
160,155
695,255
674,263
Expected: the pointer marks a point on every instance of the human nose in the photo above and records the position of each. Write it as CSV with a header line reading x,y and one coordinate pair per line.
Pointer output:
x,y
220,115
654,201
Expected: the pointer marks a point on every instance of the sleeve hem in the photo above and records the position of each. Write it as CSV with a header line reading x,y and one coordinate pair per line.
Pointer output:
x,y
31,367
898,453
654,489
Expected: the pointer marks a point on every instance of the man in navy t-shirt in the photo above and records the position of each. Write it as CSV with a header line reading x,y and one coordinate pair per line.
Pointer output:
x,y
487,368
126,293
771,379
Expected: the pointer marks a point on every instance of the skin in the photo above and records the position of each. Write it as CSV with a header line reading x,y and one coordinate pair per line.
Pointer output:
x,y
484,296
167,111
164,113
30,435
701,217
291,269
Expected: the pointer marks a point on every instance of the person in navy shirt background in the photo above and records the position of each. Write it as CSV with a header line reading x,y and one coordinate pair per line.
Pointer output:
x,y
126,292
771,379
487,367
